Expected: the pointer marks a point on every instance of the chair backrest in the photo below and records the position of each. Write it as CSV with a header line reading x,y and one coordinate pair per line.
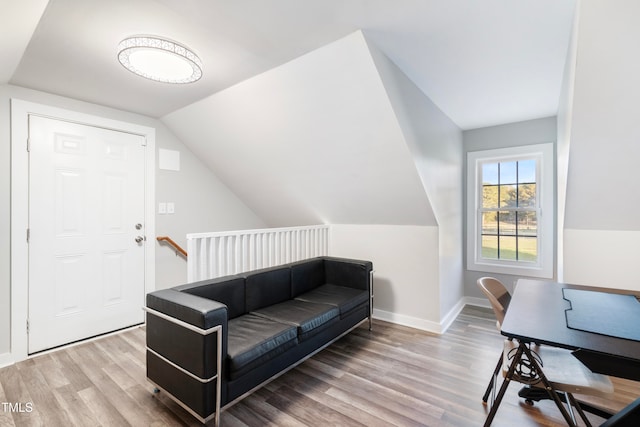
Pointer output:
x,y
497,294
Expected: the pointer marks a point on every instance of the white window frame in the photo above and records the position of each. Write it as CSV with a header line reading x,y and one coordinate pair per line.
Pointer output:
x,y
545,178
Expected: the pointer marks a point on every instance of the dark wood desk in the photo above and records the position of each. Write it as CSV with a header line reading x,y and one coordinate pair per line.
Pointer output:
x,y
537,314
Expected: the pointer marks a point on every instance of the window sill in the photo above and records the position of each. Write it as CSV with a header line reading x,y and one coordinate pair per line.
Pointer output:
x,y
511,269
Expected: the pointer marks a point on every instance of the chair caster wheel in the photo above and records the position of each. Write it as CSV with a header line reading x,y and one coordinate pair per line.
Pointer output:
x,y
529,402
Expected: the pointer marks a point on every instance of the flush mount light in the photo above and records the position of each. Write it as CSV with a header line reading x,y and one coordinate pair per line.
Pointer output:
x,y
158,59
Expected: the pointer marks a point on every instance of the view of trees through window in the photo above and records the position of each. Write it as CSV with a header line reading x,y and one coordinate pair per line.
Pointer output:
x,y
509,211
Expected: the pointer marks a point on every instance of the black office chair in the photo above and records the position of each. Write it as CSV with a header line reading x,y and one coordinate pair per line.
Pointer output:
x,y
566,374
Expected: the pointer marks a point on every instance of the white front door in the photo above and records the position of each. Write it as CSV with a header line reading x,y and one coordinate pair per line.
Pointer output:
x,y
86,225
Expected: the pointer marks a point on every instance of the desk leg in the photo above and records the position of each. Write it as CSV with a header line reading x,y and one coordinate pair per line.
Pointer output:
x,y
523,349
547,386
503,387
494,380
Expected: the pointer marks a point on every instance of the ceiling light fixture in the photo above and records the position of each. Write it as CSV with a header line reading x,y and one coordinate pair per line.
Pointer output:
x,y
160,60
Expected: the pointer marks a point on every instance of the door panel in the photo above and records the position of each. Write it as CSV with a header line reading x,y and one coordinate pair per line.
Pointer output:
x,y
86,194
69,271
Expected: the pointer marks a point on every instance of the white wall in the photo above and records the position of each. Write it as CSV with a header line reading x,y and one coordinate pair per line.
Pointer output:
x,y
5,227
563,145
203,203
601,225
605,129
606,258
405,259
435,143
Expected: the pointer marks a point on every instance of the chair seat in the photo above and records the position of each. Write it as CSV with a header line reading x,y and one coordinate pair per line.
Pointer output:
x,y
564,371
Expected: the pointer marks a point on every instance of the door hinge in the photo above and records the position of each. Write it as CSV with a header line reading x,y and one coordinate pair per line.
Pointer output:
x,y
27,325
28,145
28,234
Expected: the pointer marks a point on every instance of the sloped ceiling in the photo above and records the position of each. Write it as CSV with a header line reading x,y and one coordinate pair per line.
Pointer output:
x,y
312,141
297,124
481,62
435,142
18,20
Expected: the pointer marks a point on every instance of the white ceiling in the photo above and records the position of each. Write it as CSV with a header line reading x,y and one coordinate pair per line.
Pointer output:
x,y
482,62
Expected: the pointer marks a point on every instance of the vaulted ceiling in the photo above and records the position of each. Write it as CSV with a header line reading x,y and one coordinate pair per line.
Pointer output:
x,y
332,111
312,141
481,62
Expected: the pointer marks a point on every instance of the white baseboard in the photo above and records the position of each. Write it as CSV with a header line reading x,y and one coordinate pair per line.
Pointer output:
x,y
448,319
401,319
478,302
6,359
428,325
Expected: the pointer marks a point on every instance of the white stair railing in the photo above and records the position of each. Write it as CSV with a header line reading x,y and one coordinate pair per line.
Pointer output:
x,y
231,252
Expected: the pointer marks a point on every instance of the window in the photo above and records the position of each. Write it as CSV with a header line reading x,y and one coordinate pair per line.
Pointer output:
x,y
510,211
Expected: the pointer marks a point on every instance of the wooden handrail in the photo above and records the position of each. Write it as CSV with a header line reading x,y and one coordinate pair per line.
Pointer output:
x,y
172,243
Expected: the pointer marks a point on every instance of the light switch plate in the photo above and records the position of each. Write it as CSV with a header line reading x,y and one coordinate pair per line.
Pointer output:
x,y
171,208
162,208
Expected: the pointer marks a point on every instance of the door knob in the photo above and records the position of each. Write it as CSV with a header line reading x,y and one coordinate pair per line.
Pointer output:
x,y
138,226
139,239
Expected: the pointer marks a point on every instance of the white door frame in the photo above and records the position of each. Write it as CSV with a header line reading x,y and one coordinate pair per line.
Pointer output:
x,y
20,111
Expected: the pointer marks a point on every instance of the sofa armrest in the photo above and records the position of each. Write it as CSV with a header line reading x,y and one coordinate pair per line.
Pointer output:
x,y
180,326
195,310
186,347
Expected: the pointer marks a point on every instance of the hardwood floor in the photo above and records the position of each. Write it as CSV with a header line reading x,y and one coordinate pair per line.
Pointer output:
x,y
393,375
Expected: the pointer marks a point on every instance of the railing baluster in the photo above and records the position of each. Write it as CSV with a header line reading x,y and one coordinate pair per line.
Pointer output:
x,y
229,254
203,266
265,250
220,256
245,253
252,251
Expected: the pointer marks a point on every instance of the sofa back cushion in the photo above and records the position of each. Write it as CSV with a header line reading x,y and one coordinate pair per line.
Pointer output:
x,y
345,272
267,287
229,291
306,275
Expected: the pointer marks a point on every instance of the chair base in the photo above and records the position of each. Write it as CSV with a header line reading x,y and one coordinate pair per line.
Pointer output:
x,y
534,394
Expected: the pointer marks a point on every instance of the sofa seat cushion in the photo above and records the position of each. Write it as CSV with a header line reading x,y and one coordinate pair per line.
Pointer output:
x,y
254,340
346,299
308,317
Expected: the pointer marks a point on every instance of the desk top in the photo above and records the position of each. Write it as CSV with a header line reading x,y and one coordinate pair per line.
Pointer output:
x,y
618,314
536,313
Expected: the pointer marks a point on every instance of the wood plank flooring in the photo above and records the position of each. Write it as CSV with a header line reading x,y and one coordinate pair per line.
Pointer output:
x,y
391,376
